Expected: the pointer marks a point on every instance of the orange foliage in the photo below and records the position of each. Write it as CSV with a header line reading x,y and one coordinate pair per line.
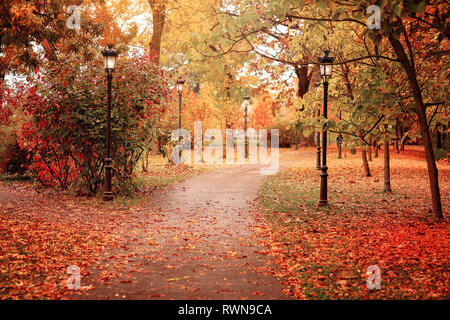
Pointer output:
x,y
261,116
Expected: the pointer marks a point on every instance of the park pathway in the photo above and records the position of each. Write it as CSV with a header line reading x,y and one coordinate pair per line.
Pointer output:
x,y
203,242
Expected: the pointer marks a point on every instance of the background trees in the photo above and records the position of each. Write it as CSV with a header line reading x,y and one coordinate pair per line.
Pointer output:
x,y
390,76
413,37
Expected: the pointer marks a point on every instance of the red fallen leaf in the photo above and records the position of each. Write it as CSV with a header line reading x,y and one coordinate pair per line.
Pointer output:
x,y
257,293
126,281
359,229
89,287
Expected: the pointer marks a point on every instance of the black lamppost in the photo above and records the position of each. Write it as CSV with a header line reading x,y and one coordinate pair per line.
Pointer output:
x,y
180,86
109,55
246,104
339,139
318,166
326,69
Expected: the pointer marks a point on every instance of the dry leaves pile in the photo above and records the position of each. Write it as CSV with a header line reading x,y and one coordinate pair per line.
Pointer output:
x,y
325,252
42,233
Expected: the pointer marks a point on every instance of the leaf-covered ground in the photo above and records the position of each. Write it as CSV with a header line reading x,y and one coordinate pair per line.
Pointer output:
x,y
322,253
325,253
40,236
201,242
43,232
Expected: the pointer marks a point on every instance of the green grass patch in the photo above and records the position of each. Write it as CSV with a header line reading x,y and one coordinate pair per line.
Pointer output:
x,y
15,177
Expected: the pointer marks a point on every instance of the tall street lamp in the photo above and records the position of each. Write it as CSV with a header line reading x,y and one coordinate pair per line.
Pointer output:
x,y
180,86
339,139
318,138
110,56
246,104
326,68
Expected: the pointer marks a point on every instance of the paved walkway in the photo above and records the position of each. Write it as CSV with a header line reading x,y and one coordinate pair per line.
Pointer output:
x,y
203,243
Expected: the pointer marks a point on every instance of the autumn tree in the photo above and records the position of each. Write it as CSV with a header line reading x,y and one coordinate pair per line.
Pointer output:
x,y
411,33
159,19
63,133
36,29
261,116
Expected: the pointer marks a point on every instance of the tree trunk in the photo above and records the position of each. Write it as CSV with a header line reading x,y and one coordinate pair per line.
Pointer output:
x,y
365,163
438,139
303,80
444,142
375,145
421,113
145,160
154,147
345,71
387,168
444,135
144,167
159,17
402,147
2,80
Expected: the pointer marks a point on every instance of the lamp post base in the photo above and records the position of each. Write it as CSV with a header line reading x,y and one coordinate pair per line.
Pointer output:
x,y
108,196
246,150
323,187
339,145
107,193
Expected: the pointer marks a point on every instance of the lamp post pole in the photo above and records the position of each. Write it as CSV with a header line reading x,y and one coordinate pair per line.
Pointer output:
x,y
324,174
245,130
179,121
110,60
318,136
339,139
318,145
107,194
326,69
246,103
180,86
339,144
